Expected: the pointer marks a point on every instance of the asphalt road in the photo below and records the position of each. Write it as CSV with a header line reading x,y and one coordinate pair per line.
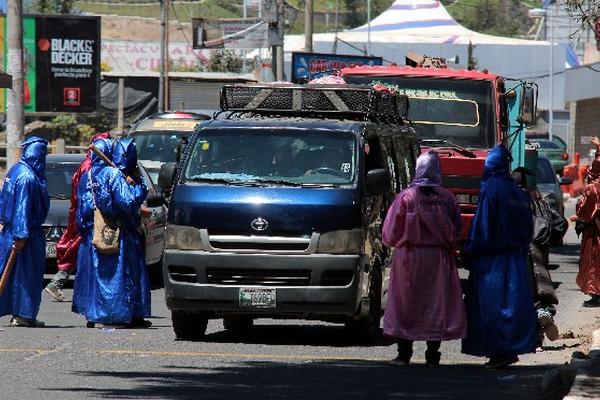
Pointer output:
x,y
275,360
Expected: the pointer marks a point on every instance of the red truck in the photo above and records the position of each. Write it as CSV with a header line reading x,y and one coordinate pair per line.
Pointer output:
x,y
461,115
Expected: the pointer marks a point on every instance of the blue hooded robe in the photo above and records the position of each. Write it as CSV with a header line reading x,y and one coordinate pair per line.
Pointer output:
x,y
125,158
24,204
500,312
103,283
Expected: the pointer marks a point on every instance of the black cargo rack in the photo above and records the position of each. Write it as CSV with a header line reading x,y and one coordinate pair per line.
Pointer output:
x,y
358,102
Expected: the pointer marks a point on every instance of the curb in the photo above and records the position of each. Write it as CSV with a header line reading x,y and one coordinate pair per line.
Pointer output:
x,y
587,373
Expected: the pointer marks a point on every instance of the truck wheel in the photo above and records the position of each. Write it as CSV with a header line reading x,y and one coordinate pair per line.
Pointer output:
x,y
237,323
367,328
189,326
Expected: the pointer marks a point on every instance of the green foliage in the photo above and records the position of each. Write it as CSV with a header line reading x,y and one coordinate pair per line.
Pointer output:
x,y
224,61
357,10
54,6
494,17
78,131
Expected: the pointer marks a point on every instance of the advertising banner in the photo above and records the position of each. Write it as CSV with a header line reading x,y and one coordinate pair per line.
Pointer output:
x,y
310,65
235,33
61,61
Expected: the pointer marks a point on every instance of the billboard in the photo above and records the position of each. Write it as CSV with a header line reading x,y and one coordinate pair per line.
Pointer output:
x,y
61,61
310,65
234,33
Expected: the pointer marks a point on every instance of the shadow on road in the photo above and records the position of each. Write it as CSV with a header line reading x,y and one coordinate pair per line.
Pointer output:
x,y
316,381
288,335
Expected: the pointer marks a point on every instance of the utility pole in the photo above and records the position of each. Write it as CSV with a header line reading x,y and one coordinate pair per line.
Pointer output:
x,y
276,20
551,76
15,113
308,26
163,54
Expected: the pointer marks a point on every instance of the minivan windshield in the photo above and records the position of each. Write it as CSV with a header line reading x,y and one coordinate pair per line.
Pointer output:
x,y
58,178
295,158
157,145
459,111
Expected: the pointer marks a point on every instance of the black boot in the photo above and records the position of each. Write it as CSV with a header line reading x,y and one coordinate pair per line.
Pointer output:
x,y
432,354
404,352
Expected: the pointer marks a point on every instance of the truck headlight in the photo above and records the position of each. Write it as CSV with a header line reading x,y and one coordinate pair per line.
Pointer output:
x,y
341,242
182,238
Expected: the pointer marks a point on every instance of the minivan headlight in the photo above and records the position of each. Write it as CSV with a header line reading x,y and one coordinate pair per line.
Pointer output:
x,y
182,238
341,242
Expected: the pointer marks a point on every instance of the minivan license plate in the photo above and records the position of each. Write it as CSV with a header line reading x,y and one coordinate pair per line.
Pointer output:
x,y
258,298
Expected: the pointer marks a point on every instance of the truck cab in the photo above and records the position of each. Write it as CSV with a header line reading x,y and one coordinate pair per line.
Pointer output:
x,y
461,115
276,210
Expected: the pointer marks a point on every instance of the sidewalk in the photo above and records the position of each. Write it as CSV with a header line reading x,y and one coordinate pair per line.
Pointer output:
x,y
587,373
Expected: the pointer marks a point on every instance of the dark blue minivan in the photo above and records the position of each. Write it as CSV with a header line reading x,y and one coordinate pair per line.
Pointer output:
x,y
276,214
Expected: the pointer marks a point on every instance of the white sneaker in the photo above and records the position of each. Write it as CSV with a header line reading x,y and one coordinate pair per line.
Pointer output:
x,y
57,294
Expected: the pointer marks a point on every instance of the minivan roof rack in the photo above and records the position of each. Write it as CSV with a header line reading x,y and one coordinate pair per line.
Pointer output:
x,y
356,102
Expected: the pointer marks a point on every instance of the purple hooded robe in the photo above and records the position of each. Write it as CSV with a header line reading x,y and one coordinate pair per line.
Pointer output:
x,y
425,298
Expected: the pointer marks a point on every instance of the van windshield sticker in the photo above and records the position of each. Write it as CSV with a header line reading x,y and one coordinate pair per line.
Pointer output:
x,y
175,124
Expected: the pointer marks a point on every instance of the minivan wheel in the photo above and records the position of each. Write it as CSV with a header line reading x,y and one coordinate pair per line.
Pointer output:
x,y
237,323
189,326
367,328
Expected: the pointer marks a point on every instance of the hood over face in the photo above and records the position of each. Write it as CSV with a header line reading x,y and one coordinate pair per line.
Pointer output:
x,y
497,162
105,146
125,155
97,136
35,150
428,171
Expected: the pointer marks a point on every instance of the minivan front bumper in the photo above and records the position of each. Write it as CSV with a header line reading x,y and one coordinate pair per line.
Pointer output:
x,y
306,285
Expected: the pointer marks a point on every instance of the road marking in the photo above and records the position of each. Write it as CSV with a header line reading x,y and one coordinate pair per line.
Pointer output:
x,y
39,351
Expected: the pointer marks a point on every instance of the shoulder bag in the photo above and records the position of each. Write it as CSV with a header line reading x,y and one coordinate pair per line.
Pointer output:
x,y
107,233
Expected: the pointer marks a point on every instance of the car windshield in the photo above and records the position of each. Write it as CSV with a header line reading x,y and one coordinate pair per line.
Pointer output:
x,y
546,144
157,145
58,176
545,172
275,157
459,111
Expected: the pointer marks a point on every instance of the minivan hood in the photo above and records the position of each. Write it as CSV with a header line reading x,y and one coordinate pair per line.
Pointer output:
x,y
230,210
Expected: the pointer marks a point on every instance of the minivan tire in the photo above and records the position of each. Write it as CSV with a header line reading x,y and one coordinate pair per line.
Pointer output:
x,y
237,324
368,328
189,326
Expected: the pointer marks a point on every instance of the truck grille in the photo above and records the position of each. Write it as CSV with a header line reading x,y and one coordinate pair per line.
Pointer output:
x,y
242,243
337,277
268,277
53,233
182,274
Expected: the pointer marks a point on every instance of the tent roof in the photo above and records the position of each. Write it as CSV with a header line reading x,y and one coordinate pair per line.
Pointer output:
x,y
414,21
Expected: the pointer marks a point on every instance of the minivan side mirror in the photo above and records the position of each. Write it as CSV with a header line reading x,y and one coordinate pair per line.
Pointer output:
x,y
155,200
167,176
377,182
565,180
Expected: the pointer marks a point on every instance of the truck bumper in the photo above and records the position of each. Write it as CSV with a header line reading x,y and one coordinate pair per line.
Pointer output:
x,y
307,286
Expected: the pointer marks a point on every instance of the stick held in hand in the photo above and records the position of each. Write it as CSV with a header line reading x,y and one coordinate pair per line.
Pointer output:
x,y
10,263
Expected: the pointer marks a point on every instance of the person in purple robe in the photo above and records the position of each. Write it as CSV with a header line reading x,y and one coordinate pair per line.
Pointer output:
x,y
425,298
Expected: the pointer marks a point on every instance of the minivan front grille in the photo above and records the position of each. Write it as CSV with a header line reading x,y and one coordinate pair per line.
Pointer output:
x,y
258,246
255,276
182,274
337,277
253,243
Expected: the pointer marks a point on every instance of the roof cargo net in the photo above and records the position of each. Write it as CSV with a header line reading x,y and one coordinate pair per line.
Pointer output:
x,y
349,101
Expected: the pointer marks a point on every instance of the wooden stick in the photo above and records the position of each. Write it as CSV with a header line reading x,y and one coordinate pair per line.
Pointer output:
x,y
8,269
108,161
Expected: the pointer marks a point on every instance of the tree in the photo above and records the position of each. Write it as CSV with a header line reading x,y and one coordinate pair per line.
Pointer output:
x,y
586,12
54,6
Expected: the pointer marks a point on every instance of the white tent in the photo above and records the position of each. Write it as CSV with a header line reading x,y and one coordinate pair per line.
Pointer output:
x,y
424,26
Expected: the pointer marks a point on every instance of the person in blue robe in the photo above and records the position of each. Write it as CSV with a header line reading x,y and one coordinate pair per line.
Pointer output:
x,y
501,319
134,257
24,204
102,291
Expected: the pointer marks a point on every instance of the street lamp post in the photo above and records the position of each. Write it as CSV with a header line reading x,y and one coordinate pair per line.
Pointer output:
x,y
547,15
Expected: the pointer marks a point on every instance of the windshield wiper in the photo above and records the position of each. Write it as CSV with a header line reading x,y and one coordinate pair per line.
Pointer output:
x,y
225,181
279,182
433,142
60,196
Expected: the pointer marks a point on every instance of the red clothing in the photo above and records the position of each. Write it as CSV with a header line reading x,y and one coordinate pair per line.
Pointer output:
x,y
68,245
588,278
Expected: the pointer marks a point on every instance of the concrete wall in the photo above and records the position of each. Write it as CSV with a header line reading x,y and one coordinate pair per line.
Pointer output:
x,y
585,120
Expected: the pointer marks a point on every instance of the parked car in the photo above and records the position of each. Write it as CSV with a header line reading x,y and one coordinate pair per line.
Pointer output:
x,y
544,135
549,184
59,171
159,136
558,156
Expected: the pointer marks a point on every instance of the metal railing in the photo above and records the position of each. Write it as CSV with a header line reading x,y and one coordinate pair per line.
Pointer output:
x,y
57,146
